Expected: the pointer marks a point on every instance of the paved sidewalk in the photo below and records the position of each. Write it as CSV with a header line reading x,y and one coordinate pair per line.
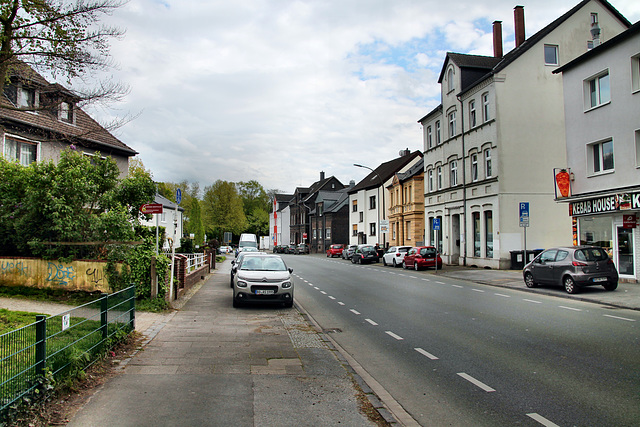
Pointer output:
x,y
212,365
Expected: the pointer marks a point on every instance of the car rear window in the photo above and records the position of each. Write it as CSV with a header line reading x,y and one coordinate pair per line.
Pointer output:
x,y
427,251
591,254
403,249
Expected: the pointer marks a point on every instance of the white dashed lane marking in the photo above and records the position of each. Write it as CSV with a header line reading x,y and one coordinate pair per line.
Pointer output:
x,y
354,311
475,382
542,420
619,318
569,308
391,334
371,321
426,353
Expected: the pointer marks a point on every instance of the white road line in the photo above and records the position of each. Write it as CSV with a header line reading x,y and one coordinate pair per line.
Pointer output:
x,y
530,300
340,303
354,311
503,295
371,321
391,334
316,288
542,420
455,286
569,308
426,353
330,297
619,318
310,284
476,382
323,292
305,281
442,283
426,280
477,290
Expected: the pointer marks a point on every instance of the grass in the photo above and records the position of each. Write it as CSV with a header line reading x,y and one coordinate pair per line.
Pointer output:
x,y
11,320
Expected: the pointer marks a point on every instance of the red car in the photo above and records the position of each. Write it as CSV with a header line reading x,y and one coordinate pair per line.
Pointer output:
x,y
421,257
335,250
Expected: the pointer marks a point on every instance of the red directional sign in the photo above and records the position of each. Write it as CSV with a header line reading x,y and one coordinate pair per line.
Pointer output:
x,y
151,208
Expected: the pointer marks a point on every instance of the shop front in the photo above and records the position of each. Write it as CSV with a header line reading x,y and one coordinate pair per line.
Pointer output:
x,y
611,222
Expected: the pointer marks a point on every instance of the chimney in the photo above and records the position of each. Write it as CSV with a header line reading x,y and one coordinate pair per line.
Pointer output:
x,y
497,39
518,17
321,176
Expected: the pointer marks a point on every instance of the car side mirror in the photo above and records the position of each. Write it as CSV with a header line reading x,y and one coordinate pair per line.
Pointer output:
x,y
290,270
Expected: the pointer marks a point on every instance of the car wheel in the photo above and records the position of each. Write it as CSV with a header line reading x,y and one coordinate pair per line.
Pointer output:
x,y
353,260
395,264
384,262
236,303
611,286
570,285
415,266
404,265
288,304
528,280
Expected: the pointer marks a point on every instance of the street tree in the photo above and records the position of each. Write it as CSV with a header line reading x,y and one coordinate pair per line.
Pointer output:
x,y
222,209
62,38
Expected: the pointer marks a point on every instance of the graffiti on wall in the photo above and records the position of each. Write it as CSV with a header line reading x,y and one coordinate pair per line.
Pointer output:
x,y
18,267
95,275
59,274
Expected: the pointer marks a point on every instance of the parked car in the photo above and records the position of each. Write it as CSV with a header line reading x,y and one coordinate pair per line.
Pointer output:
x,y
302,248
279,249
235,263
224,249
239,250
573,267
395,255
422,257
365,254
263,278
335,250
347,252
291,249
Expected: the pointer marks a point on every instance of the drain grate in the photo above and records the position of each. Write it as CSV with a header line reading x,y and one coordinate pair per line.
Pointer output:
x,y
332,330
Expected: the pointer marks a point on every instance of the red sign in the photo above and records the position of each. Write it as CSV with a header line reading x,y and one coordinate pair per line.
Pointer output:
x,y
151,208
304,235
628,221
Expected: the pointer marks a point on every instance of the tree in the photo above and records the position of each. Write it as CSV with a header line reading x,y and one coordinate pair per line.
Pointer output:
x,y
190,203
256,204
222,209
59,37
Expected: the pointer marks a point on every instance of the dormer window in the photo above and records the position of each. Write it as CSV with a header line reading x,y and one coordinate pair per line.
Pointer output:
x,y
66,112
26,97
450,85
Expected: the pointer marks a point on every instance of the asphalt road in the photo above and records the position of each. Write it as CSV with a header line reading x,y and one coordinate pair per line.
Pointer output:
x,y
454,352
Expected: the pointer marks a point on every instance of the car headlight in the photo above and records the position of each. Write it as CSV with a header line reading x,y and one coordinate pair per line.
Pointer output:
x,y
286,285
241,284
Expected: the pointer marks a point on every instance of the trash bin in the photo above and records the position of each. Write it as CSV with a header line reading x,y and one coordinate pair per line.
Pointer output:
x,y
517,260
533,253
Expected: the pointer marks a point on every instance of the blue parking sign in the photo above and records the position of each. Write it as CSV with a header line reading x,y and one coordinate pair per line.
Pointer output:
x,y
436,223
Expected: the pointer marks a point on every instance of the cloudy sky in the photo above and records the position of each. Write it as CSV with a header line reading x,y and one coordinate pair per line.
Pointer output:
x,y
279,90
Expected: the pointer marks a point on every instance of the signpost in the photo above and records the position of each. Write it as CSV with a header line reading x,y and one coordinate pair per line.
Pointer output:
x,y
524,223
173,246
436,228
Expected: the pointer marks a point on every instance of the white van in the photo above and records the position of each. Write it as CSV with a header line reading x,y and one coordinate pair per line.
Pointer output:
x,y
247,240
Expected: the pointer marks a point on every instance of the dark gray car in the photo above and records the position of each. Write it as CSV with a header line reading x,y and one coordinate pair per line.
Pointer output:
x,y
572,267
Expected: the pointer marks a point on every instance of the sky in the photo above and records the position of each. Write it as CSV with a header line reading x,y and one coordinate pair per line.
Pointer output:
x,y
279,90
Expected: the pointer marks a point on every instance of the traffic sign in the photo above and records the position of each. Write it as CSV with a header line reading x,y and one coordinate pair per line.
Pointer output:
x,y
436,223
178,196
151,208
524,214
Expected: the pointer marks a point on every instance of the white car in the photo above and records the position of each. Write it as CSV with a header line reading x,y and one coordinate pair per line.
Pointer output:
x,y
395,255
224,249
262,278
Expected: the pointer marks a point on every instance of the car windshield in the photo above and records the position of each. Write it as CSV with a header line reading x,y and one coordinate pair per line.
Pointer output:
x,y
263,264
591,254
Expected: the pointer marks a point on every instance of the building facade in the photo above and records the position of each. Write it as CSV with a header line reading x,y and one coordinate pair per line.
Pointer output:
x,y
329,220
602,111
499,127
406,206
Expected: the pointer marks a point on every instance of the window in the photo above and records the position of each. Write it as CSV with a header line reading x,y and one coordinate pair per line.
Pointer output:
x,y
408,229
472,113
597,91
354,206
21,151
550,54
430,176
638,148
635,73
163,216
66,114
314,234
354,230
438,140
372,202
429,138
26,97
328,233
454,173
450,85
361,216
439,170
474,167
485,107
476,233
372,229
488,173
488,233
601,155
452,124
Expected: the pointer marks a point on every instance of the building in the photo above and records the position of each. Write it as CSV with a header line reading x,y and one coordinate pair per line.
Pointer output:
x,y
279,221
406,206
330,219
497,133
39,120
366,215
171,219
602,115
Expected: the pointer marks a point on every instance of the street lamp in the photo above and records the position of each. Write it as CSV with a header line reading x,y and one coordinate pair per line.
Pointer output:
x,y
383,208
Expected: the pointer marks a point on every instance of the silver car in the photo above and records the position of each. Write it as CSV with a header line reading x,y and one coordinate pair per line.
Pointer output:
x,y
263,278
395,255
572,267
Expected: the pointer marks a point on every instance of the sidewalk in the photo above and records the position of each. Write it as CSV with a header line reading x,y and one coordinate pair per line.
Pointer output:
x,y
626,296
212,365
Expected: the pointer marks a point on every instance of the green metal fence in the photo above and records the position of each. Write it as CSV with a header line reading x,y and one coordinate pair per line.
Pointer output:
x,y
57,343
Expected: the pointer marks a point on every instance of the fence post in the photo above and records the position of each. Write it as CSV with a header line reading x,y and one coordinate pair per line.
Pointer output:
x,y
132,307
104,315
41,343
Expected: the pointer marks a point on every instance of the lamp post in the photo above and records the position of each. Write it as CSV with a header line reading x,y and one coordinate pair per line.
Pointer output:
x,y
383,208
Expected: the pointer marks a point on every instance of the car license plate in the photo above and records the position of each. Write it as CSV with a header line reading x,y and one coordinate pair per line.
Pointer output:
x,y
264,292
600,279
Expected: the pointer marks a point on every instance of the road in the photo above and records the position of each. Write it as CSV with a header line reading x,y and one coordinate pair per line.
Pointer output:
x,y
454,352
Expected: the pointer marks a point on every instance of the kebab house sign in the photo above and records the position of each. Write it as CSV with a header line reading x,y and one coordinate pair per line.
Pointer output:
x,y
613,203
